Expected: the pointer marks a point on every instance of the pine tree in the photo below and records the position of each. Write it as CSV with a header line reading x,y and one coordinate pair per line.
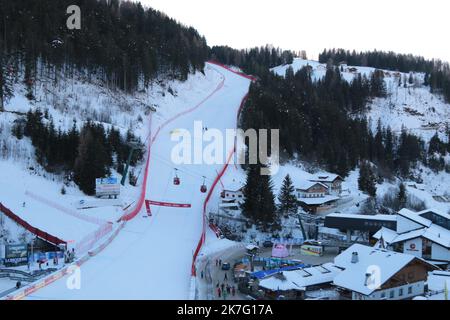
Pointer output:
x,y
367,179
6,83
259,200
91,162
288,200
402,196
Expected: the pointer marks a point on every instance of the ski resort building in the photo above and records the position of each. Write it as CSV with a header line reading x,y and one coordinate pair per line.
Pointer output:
x,y
301,283
314,196
358,223
232,197
424,234
379,274
332,181
233,192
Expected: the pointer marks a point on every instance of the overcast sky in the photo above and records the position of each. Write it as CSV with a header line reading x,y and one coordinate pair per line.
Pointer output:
x,y
404,26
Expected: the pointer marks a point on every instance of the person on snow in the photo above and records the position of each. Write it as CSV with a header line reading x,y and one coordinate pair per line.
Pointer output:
x,y
225,278
201,274
224,295
219,292
222,286
217,262
218,284
233,291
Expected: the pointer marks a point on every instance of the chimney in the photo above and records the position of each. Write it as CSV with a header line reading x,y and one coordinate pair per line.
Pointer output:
x,y
355,257
366,282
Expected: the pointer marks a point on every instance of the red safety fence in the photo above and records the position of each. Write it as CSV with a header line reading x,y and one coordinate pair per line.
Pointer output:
x,y
65,210
252,78
38,232
215,229
92,238
168,204
138,207
140,201
218,177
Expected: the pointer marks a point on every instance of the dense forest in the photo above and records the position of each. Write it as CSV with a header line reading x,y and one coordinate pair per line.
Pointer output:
x,y
120,42
437,73
320,122
254,61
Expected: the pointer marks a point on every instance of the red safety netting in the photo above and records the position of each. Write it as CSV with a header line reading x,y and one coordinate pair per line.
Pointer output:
x,y
218,177
39,233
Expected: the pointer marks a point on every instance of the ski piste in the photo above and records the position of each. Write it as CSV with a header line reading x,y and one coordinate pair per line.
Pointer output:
x,y
153,257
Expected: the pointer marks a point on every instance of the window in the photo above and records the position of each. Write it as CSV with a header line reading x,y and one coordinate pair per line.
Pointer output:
x,y
400,292
391,294
383,295
409,290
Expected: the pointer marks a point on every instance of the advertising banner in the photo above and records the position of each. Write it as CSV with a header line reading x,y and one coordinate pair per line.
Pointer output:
x,y
16,254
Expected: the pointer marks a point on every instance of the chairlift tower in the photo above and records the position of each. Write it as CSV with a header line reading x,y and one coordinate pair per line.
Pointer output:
x,y
133,144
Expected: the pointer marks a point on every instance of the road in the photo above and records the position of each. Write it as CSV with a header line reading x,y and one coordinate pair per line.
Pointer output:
x,y
151,257
213,274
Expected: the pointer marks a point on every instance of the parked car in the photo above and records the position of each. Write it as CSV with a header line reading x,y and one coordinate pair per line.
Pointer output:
x,y
226,266
267,244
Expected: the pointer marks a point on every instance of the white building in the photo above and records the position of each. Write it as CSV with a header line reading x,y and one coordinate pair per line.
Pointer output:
x,y
379,274
424,234
332,181
233,193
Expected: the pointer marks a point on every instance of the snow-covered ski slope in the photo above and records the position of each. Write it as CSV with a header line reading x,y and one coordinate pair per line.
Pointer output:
x,y
151,257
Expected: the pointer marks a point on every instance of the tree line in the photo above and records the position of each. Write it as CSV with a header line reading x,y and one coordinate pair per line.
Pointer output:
x,y
437,72
120,42
253,61
82,155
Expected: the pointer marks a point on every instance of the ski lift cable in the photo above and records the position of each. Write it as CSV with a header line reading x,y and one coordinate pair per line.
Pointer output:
x,y
189,172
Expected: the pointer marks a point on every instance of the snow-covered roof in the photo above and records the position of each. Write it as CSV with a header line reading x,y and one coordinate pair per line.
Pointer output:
x,y
300,279
431,234
233,187
438,235
318,200
414,216
353,278
437,212
326,177
308,184
251,247
430,230
387,234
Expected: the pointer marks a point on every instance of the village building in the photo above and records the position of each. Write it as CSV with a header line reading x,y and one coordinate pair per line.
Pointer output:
x,y
367,225
315,196
299,284
424,234
232,197
378,274
332,181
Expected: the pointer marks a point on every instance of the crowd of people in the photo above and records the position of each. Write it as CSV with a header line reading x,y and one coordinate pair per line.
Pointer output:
x,y
224,289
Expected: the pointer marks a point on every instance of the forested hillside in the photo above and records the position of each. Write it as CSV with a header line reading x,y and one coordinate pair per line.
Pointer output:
x,y
437,73
255,61
324,122
119,42
121,47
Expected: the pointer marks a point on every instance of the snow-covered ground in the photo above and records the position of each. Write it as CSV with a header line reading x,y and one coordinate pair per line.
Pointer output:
x,y
151,257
